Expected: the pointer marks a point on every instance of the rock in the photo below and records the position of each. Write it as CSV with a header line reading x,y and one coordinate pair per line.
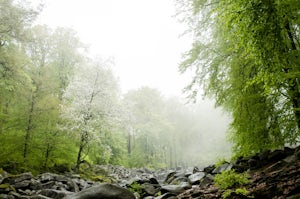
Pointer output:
x,y
196,177
6,188
56,194
149,197
175,189
103,191
151,189
3,196
17,178
209,169
290,159
196,169
46,177
276,155
170,177
207,180
166,196
223,167
253,163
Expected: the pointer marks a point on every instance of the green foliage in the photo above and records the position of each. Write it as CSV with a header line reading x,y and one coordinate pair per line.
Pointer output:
x,y
245,54
230,179
135,187
7,188
59,107
239,191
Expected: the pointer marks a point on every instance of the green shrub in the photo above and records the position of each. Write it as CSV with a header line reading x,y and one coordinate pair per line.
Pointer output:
x,y
136,187
229,179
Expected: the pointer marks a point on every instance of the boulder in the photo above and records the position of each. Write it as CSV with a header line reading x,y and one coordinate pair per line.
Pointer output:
x,y
52,193
103,191
196,177
224,167
17,178
175,189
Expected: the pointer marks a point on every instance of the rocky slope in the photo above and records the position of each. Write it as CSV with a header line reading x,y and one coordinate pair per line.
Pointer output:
x,y
273,174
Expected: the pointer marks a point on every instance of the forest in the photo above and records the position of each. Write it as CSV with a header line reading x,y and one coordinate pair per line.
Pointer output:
x,y
67,130
245,55
60,107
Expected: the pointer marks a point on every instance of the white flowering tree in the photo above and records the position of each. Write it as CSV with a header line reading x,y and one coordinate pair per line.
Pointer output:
x,y
89,105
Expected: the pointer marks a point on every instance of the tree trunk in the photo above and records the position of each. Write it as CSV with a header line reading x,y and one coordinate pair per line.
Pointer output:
x,y
47,154
129,144
28,129
82,144
294,86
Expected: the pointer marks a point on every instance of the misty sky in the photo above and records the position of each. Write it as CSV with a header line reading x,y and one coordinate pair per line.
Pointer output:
x,y
142,36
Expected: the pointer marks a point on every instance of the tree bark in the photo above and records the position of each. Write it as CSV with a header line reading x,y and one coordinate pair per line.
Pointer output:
x,y
28,129
294,86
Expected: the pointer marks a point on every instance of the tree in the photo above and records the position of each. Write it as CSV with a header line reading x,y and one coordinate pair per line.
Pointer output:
x,y
89,105
147,127
246,54
15,19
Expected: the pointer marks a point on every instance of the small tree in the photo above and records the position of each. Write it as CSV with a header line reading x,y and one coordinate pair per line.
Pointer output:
x,y
89,105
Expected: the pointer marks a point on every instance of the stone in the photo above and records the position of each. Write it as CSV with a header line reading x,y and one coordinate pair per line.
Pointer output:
x,y
277,155
103,191
253,163
207,180
17,178
175,189
46,177
196,177
52,193
209,169
290,159
170,177
223,167
165,196
151,189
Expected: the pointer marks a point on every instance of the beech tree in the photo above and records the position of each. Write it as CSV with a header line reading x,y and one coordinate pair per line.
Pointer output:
x,y
49,68
246,55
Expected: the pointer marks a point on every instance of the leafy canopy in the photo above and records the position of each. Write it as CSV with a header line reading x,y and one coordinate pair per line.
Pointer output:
x,y
246,55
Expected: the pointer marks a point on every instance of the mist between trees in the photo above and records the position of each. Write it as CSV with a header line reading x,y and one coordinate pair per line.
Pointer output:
x,y
58,106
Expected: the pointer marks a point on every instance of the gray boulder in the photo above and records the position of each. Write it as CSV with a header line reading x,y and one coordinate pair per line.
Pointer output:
x,y
196,177
176,189
103,191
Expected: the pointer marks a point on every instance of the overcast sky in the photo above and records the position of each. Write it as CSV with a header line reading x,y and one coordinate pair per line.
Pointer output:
x,y
143,37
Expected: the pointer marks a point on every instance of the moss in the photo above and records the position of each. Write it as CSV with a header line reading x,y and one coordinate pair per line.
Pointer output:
x,y
239,191
100,178
229,179
5,188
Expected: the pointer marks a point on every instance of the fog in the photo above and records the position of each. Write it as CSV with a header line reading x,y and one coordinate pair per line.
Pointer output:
x,y
144,40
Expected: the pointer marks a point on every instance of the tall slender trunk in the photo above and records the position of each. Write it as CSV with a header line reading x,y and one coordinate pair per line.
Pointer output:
x,y
129,144
47,155
28,129
83,142
294,85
